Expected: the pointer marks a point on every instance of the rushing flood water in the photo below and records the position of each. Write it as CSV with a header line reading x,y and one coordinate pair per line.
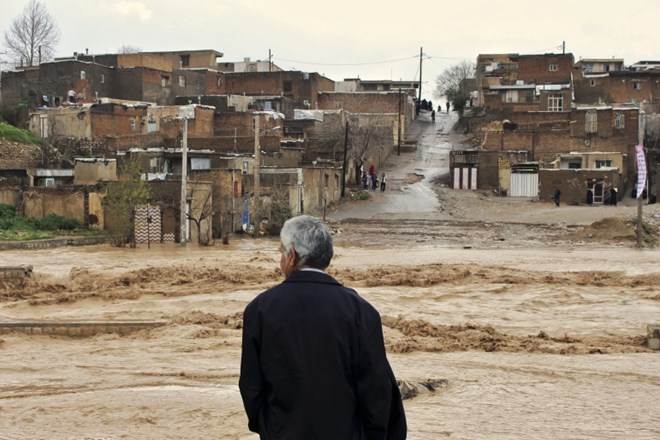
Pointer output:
x,y
535,343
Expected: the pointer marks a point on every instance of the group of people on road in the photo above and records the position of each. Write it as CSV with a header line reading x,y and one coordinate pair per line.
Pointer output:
x,y
439,110
370,179
610,197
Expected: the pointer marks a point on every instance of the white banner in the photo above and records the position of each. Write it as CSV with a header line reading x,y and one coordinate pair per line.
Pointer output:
x,y
641,170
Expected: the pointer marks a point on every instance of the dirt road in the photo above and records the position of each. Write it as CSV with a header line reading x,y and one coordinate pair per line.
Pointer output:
x,y
535,317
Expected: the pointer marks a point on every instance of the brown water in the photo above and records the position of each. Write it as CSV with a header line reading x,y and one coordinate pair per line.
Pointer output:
x,y
535,343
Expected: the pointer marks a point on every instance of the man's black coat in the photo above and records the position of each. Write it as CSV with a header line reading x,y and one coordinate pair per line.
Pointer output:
x,y
313,365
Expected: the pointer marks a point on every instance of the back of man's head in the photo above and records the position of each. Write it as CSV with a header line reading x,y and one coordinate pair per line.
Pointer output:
x,y
310,238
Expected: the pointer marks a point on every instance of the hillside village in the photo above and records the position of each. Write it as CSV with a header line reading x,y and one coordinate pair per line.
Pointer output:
x,y
253,142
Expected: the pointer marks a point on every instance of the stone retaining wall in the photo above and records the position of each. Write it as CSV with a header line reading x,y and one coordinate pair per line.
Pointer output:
x,y
52,243
76,329
15,275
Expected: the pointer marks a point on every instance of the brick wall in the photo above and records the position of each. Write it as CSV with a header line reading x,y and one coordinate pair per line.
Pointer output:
x,y
299,86
115,120
573,183
618,87
360,102
535,69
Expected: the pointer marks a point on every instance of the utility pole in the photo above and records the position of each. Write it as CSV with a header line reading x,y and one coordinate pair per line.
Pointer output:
x,y
420,75
257,162
343,167
563,47
270,61
184,178
398,141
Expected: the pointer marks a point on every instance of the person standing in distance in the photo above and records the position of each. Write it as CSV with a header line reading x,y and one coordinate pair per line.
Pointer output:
x,y
313,361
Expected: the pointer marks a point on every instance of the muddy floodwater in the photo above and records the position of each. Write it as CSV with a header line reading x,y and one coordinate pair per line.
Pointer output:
x,y
548,342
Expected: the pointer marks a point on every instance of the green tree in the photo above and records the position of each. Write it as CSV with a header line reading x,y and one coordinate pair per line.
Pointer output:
x,y
122,198
450,84
33,35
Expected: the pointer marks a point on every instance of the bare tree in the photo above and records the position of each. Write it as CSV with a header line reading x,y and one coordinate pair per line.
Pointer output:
x,y
369,139
33,35
127,48
448,84
202,207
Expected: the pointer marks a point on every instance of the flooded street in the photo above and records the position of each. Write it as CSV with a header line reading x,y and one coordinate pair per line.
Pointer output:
x,y
536,320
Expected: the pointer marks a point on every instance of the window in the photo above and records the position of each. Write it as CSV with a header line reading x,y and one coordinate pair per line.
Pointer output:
x,y
619,121
185,60
164,80
154,165
200,163
182,81
555,102
603,163
103,78
83,74
133,124
327,181
575,164
592,83
588,68
287,86
218,81
553,68
637,85
510,96
591,122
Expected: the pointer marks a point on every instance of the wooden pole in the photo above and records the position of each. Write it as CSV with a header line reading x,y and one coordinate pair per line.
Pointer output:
x,y
184,178
257,158
420,75
398,142
343,167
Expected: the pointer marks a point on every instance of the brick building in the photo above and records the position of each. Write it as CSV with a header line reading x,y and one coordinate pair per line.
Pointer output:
x,y
512,82
301,88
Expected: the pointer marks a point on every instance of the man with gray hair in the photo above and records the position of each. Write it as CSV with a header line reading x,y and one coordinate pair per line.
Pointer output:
x,y
313,362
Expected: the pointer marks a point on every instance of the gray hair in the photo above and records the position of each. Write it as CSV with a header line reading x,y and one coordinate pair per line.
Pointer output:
x,y
310,238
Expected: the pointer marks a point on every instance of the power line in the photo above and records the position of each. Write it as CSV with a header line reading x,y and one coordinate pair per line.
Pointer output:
x,y
346,64
444,58
546,50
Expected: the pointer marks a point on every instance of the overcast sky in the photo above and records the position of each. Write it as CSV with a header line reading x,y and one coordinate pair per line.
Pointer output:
x,y
374,40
